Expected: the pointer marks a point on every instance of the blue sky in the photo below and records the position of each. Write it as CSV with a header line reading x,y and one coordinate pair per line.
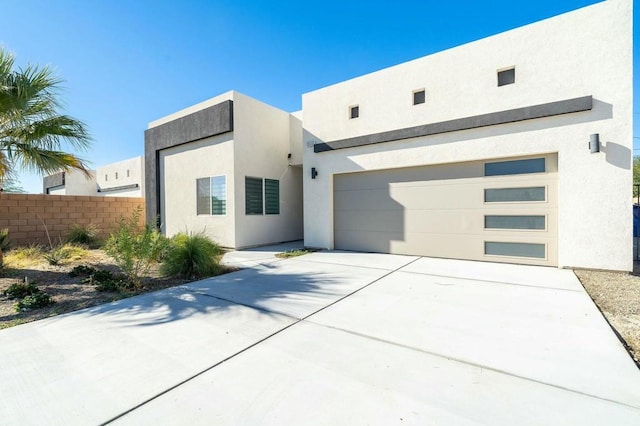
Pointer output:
x,y
127,63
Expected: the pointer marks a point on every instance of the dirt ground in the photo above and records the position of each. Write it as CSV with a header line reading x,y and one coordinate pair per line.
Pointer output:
x,y
617,294
68,292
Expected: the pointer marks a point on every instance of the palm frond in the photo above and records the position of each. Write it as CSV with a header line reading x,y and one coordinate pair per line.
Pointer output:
x,y
31,158
5,168
32,129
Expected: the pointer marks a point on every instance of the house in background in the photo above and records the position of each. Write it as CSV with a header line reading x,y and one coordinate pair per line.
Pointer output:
x,y
69,183
230,167
122,179
514,148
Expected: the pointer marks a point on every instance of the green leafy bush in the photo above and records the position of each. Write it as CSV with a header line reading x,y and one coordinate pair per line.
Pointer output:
x,y
103,280
34,301
193,255
83,234
135,248
81,270
21,289
31,297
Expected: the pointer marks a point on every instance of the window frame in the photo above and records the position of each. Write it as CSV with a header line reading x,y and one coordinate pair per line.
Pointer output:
x,y
353,108
210,196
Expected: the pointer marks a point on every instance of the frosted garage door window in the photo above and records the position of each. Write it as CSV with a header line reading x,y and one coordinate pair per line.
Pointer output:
x,y
515,167
505,195
530,250
515,222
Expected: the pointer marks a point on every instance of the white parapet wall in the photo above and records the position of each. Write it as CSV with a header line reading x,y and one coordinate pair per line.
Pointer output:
x,y
121,179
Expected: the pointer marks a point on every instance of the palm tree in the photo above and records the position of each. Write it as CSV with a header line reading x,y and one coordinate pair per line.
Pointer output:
x,y
32,130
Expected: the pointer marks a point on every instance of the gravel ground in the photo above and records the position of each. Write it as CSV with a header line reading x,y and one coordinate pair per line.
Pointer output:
x,y
617,294
69,293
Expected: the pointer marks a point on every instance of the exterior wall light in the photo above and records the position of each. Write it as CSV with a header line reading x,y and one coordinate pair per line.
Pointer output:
x,y
594,143
314,173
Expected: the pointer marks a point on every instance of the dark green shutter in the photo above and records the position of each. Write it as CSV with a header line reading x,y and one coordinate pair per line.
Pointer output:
x,y
202,196
271,196
253,195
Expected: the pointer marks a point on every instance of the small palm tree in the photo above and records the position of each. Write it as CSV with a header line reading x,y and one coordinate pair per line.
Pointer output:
x,y
31,127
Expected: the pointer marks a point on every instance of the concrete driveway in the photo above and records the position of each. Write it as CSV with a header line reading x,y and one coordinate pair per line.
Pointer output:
x,y
329,338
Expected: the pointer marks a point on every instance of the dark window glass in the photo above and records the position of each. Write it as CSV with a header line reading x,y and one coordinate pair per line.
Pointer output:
x,y
516,167
419,97
355,112
506,77
253,195
271,196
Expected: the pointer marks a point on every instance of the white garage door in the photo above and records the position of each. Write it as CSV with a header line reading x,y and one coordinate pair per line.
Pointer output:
x,y
500,210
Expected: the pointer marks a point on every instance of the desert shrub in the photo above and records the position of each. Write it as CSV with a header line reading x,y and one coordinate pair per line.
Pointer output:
x,y
81,270
135,248
193,255
24,256
4,244
29,295
34,301
83,234
4,240
30,252
103,280
61,253
55,256
21,289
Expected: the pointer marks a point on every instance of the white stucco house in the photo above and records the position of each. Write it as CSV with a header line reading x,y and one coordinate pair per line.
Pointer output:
x,y
72,182
514,148
229,167
121,179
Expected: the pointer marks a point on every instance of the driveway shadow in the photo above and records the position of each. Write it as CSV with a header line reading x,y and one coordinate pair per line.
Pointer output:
x,y
269,290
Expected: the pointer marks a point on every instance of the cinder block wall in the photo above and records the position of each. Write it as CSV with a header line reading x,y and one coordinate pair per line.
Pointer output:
x,y
24,214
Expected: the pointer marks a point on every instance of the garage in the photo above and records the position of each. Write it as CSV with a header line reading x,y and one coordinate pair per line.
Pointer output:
x,y
502,210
